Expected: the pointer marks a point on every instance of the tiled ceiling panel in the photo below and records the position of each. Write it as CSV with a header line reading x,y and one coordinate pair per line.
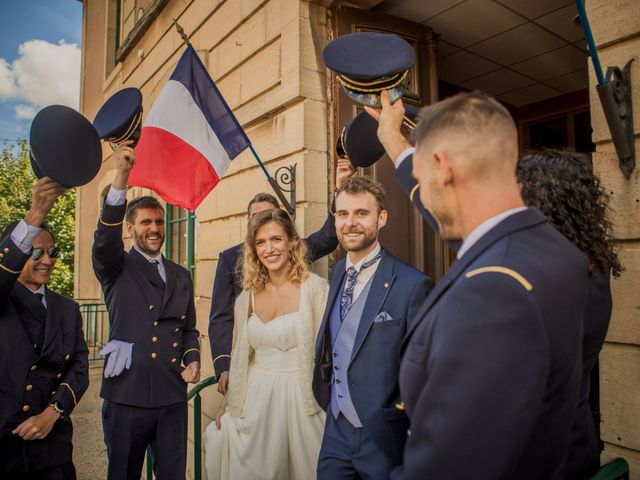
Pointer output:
x,y
520,43
522,51
561,23
498,82
473,21
534,8
461,66
553,64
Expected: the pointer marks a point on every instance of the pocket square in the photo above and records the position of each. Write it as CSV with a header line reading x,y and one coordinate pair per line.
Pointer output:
x,y
382,317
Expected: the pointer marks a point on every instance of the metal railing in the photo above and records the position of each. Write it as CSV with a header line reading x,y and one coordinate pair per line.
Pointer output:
x,y
96,326
194,394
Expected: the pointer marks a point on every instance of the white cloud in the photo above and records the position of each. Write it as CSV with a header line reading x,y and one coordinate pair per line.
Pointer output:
x,y
43,74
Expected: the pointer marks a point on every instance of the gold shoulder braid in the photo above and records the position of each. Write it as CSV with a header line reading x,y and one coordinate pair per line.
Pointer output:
x,y
505,271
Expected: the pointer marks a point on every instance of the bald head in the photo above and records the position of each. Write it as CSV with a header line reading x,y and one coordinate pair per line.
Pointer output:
x,y
474,130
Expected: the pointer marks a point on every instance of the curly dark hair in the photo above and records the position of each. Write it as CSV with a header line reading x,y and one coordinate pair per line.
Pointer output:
x,y
562,185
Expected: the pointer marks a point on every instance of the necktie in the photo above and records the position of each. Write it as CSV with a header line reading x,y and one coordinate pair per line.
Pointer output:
x,y
156,264
39,296
350,283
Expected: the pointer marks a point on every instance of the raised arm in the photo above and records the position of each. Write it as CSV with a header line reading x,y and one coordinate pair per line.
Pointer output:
x,y
108,247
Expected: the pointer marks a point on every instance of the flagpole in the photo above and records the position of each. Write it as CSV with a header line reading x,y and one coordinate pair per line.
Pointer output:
x,y
274,184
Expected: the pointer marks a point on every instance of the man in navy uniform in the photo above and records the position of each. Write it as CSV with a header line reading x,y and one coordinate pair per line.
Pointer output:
x,y
491,366
227,284
372,296
43,355
153,335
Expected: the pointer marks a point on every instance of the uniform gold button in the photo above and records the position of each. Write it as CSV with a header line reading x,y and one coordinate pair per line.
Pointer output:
x,y
154,355
59,375
67,357
175,344
6,250
34,367
400,406
154,339
150,307
29,388
25,408
155,324
183,317
53,393
1,255
174,360
177,330
409,433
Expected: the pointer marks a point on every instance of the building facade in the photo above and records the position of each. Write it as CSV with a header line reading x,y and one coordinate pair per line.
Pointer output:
x,y
265,57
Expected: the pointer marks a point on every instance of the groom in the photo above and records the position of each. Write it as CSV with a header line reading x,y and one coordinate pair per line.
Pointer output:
x,y
371,297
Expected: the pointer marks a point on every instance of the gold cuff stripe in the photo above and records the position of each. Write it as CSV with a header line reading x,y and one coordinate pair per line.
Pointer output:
x,y
9,270
73,394
216,359
190,350
413,191
408,122
111,224
350,86
506,271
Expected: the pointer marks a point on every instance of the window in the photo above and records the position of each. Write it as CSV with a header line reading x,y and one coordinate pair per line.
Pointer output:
x,y
180,237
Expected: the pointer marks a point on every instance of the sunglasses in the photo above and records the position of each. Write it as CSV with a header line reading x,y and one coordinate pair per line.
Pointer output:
x,y
37,253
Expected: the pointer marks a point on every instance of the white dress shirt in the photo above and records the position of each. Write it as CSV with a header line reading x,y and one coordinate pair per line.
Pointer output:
x,y
482,229
365,275
23,236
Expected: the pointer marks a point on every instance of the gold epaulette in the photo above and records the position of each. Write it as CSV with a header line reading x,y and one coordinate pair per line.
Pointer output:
x,y
505,271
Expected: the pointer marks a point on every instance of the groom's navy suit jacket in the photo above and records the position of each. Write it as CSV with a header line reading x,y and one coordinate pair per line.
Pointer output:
x,y
398,290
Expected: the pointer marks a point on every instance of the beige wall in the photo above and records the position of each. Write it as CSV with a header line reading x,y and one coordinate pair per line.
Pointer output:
x,y
265,58
616,30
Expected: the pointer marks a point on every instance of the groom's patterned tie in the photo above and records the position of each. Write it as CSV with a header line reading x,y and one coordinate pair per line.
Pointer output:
x,y
350,283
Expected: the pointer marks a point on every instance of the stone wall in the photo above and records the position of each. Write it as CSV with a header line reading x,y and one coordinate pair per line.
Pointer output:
x,y
616,30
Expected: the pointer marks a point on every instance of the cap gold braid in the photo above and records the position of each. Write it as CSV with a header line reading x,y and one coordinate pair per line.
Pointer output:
x,y
351,85
342,139
132,127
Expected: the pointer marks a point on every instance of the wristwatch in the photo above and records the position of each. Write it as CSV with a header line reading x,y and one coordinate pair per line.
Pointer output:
x,y
57,406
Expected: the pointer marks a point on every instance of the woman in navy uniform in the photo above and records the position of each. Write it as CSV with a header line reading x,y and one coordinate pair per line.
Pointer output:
x,y
43,355
562,185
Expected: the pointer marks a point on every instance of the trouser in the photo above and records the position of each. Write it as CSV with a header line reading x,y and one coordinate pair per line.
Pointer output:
x,y
66,471
129,430
350,453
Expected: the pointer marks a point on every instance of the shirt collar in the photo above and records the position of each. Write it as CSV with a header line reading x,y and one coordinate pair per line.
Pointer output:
x,y
149,257
369,256
482,229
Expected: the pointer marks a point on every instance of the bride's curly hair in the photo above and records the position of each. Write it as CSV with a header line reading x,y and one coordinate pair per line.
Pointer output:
x,y
562,185
254,274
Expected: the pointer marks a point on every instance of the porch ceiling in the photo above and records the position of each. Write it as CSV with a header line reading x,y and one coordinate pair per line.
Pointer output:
x,y
521,51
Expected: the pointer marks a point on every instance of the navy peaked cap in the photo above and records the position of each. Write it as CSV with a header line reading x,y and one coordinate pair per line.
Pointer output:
x,y
64,146
361,137
368,62
120,118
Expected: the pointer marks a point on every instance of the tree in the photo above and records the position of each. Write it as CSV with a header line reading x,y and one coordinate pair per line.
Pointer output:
x,y
15,198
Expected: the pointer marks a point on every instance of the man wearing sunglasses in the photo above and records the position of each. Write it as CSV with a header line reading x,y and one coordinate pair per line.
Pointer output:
x,y
43,355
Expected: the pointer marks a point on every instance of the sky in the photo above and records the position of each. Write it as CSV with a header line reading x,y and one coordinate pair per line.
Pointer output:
x,y
40,43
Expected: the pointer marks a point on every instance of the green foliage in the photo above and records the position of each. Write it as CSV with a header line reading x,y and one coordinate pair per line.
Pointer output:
x,y
15,198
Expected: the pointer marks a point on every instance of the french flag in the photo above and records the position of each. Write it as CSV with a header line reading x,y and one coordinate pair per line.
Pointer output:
x,y
189,137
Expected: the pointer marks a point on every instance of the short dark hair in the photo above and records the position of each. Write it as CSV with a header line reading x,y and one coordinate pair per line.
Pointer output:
x,y
263,197
364,185
146,201
9,228
464,111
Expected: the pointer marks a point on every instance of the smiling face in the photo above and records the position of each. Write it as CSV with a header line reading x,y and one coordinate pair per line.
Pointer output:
x,y
148,230
36,273
272,247
358,220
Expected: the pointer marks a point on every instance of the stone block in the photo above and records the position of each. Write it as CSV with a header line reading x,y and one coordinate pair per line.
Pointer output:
x,y
625,320
613,20
620,402
624,194
611,452
617,55
215,235
205,271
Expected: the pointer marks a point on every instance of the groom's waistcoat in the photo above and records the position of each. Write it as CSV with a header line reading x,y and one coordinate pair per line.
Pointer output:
x,y
343,335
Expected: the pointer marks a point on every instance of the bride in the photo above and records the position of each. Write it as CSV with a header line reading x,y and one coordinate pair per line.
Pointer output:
x,y
269,425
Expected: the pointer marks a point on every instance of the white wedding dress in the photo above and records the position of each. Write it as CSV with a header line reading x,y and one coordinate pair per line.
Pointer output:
x,y
276,439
